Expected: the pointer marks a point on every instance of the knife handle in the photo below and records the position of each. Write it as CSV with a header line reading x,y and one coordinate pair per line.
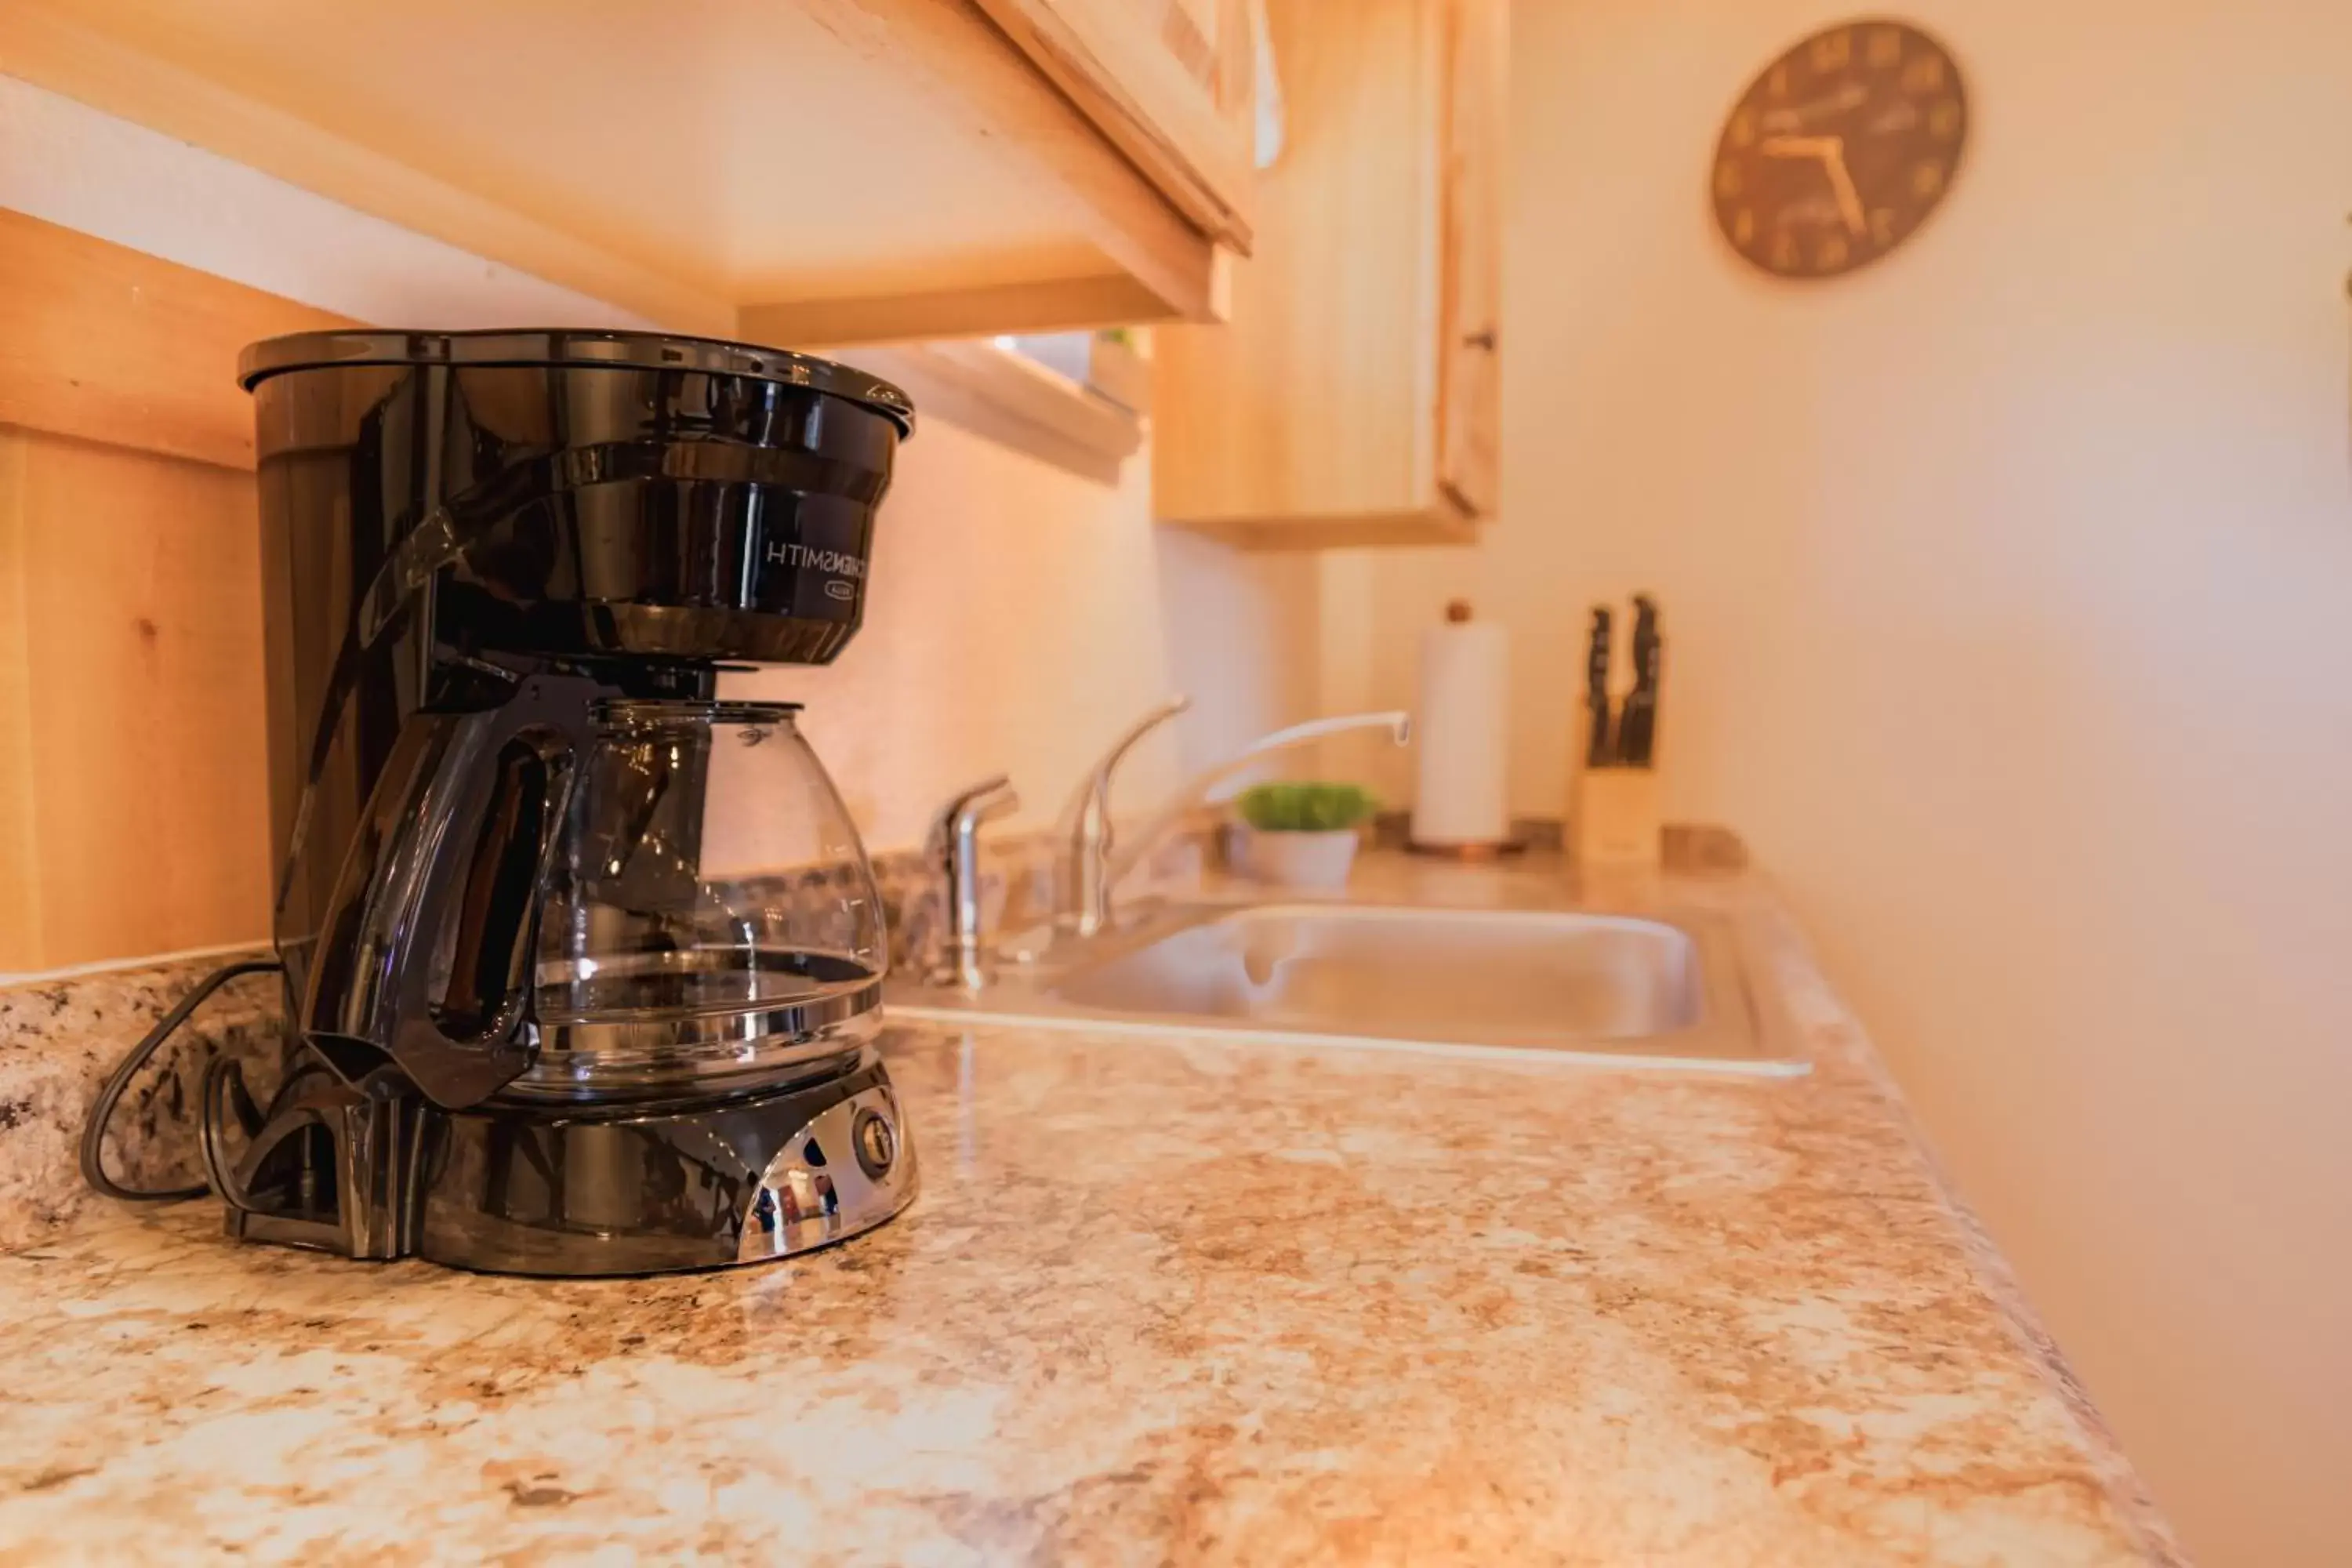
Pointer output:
x,y
1598,744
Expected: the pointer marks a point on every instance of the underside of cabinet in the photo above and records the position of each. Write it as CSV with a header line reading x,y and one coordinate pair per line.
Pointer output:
x,y
803,172
1443,522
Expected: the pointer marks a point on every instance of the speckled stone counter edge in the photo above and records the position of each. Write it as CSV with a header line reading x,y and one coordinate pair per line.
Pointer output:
x,y
1835,1032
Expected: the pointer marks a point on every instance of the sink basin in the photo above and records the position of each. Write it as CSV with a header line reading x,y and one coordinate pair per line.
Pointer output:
x,y
1623,989
1498,977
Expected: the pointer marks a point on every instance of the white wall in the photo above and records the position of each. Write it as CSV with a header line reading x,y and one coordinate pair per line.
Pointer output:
x,y
2010,592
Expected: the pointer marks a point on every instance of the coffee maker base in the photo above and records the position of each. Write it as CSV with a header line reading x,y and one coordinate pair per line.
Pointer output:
x,y
614,1190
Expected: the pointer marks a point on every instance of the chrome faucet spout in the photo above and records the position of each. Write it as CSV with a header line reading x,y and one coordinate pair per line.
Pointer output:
x,y
1082,896
1194,791
1094,866
955,846
1093,792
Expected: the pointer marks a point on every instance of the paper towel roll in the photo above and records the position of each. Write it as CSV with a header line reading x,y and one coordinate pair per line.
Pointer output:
x,y
1462,734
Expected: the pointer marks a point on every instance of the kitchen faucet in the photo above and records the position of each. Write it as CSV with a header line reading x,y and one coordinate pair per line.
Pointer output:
x,y
1092,865
954,846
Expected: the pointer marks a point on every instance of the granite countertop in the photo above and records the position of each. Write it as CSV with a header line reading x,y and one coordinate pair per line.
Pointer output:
x,y
1161,1302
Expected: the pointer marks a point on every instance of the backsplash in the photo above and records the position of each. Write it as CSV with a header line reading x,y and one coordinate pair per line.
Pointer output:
x,y
59,1038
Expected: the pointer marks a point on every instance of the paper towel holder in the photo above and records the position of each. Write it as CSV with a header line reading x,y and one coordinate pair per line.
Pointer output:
x,y
1457,611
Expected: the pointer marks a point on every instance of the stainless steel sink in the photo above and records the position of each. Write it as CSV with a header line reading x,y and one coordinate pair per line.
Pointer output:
x,y
1625,989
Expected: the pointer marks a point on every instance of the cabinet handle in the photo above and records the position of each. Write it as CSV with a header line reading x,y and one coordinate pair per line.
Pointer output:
x,y
1482,340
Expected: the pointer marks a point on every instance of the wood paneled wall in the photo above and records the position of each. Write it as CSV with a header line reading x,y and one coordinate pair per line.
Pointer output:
x,y
134,801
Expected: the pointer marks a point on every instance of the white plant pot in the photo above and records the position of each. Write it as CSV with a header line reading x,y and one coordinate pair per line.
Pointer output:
x,y
1315,860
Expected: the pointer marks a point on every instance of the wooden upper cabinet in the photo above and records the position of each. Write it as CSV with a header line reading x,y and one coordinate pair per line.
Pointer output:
x,y
796,172
1470,260
1352,395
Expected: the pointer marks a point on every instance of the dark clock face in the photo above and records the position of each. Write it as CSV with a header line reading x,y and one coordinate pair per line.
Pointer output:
x,y
1840,149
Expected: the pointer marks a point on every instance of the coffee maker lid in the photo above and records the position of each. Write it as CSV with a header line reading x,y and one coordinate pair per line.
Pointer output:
x,y
629,351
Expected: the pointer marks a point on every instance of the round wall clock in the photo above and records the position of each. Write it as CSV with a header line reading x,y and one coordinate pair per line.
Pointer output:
x,y
1840,149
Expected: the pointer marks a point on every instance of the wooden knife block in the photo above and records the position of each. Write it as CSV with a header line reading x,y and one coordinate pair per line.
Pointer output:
x,y
1614,817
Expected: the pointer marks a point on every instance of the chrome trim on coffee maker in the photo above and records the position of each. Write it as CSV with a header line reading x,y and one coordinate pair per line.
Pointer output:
x,y
599,1191
849,1170
604,1191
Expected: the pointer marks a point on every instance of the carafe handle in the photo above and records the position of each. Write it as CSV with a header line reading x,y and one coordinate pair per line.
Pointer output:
x,y
426,958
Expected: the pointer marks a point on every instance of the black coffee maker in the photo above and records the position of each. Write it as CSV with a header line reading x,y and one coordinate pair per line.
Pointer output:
x,y
581,963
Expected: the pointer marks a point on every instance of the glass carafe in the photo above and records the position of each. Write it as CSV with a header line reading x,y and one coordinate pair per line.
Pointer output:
x,y
709,918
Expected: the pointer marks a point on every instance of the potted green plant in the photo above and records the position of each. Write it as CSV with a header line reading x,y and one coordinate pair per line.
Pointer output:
x,y
1301,835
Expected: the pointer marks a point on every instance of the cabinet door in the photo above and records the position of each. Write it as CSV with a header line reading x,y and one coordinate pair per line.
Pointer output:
x,y
1170,82
1312,414
1469,387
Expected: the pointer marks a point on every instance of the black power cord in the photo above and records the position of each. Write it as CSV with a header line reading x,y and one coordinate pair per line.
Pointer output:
x,y
93,1131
